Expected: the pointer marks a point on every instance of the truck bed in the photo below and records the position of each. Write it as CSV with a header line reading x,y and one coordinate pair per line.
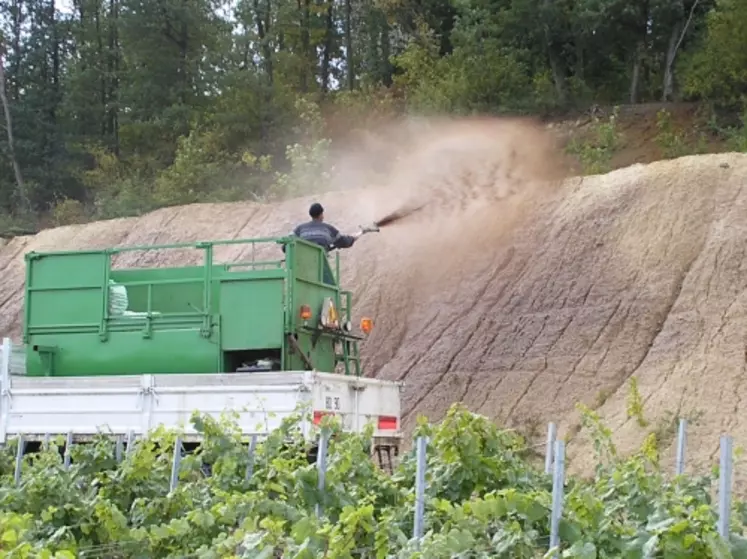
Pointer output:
x,y
39,406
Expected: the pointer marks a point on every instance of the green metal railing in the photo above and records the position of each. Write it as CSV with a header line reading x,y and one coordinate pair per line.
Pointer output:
x,y
207,262
112,322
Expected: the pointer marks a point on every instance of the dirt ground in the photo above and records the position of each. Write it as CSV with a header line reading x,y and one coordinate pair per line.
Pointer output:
x,y
515,292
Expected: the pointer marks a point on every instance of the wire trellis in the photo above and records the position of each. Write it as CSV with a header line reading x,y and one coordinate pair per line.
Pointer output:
x,y
554,465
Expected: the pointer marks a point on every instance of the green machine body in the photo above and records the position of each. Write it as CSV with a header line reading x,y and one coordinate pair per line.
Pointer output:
x,y
82,317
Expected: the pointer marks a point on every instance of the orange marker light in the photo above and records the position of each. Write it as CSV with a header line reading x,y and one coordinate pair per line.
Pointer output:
x,y
305,312
366,325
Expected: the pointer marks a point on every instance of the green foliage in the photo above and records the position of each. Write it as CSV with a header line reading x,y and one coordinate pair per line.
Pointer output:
x,y
595,152
481,75
673,142
718,70
483,500
735,136
635,403
123,106
68,212
307,172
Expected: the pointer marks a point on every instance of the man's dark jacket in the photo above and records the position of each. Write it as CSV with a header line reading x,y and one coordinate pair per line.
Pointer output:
x,y
325,235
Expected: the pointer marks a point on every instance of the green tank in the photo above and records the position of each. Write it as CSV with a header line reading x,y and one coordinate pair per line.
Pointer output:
x,y
84,318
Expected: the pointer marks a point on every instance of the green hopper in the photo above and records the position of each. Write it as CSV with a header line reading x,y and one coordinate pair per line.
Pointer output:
x,y
86,317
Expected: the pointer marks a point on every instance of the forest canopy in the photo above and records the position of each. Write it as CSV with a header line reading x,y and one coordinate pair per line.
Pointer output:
x,y
116,107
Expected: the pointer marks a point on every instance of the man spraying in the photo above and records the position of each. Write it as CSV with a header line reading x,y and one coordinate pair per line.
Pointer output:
x,y
326,236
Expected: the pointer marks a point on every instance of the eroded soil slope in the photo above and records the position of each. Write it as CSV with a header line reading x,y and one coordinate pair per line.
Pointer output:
x,y
637,272
521,311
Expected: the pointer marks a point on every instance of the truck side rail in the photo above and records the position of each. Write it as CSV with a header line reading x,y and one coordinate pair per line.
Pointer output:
x,y
38,407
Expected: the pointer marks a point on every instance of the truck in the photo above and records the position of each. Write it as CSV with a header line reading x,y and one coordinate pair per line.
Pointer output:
x,y
123,349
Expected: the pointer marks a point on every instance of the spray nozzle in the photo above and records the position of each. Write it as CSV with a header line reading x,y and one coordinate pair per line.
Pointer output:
x,y
362,230
373,228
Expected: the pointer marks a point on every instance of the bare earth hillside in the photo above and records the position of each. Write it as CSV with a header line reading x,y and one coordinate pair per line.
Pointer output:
x,y
521,311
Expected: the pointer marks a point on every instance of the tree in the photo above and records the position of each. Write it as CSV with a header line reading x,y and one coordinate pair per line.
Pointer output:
x,y
718,70
21,192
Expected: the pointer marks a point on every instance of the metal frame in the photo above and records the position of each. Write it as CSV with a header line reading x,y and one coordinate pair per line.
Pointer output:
x,y
350,355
